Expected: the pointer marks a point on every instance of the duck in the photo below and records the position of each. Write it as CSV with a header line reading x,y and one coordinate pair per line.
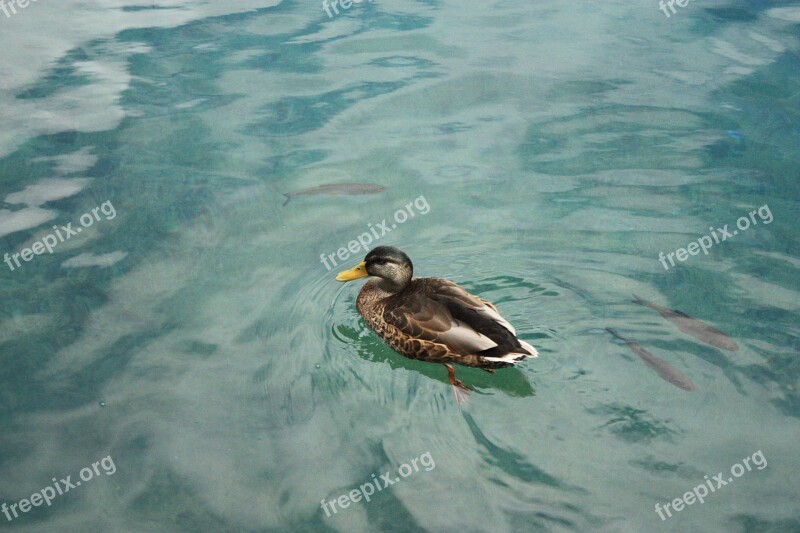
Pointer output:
x,y
433,319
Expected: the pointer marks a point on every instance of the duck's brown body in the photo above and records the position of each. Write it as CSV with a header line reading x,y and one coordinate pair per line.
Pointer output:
x,y
422,322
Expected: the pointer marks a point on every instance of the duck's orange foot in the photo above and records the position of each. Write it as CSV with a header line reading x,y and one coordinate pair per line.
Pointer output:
x,y
460,390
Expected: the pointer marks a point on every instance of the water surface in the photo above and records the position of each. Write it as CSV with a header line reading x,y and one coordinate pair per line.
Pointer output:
x,y
197,338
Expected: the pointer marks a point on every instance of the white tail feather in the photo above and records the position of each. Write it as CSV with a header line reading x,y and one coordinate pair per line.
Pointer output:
x,y
515,357
510,358
531,349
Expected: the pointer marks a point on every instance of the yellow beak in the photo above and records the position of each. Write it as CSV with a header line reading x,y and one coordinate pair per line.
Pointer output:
x,y
359,271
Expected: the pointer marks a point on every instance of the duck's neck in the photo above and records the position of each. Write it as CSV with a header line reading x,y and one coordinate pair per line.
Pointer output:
x,y
393,286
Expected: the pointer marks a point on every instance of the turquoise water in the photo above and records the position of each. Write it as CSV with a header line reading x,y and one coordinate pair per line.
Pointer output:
x,y
191,355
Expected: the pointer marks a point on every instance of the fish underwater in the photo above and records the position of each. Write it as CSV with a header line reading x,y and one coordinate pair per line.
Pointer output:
x,y
351,189
665,371
692,326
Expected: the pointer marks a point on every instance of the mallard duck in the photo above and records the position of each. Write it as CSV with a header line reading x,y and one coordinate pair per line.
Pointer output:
x,y
433,319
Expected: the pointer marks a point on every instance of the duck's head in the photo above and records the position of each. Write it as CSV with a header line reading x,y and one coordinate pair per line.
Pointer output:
x,y
386,262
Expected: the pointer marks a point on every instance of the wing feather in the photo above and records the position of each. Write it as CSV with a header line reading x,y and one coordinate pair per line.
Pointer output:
x,y
442,312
